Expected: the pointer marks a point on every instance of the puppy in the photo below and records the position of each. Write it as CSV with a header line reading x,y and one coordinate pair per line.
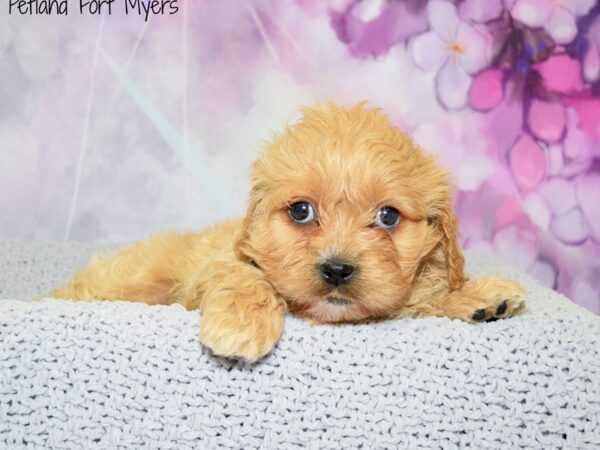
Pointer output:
x,y
348,220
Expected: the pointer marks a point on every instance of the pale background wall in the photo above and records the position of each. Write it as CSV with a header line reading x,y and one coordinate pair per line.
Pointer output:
x,y
111,128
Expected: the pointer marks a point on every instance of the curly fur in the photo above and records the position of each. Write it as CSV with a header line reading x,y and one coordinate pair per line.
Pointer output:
x,y
242,274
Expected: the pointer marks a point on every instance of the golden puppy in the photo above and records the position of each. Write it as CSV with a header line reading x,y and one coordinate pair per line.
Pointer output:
x,y
348,220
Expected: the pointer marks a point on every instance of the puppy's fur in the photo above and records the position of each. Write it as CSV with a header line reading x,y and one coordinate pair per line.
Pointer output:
x,y
242,274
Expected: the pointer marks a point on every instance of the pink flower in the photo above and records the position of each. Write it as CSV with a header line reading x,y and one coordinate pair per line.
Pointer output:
x,y
561,73
547,120
459,146
527,163
587,187
556,17
518,244
487,90
480,11
578,153
571,227
371,28
585,291
453,49
588,111
591,60
559,195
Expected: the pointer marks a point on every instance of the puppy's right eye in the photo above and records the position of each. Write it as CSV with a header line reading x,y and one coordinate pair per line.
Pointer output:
x,y
387,217
301,212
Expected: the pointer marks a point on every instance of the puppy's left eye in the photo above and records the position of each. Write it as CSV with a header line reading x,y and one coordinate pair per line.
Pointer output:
x,y
301,212
387,217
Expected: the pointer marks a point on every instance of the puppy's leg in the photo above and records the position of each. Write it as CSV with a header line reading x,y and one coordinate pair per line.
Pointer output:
x,y
241,313
483,299
145,271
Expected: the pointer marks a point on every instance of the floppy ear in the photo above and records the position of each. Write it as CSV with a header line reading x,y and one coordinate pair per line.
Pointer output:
x,y
455,260
244,244
242,247
250,234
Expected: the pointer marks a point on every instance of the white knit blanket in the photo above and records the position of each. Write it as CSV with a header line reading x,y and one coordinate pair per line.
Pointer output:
x,y
126,375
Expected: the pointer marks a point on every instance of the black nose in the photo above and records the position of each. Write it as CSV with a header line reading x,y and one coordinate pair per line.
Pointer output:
x,y
336,272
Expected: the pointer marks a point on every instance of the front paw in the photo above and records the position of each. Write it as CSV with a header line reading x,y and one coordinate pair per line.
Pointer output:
x,y
241,330
485,299
494,298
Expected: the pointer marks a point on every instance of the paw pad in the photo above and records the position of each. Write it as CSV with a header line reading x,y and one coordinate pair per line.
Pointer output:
x,y
489,298
479,315
501,308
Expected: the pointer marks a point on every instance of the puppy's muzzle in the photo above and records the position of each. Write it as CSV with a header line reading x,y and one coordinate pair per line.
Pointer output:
x,y
337,272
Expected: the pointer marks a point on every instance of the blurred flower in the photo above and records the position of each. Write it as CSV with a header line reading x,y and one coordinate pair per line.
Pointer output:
x,y
558,194
586,46
546,119
480,11
459,147
578,146
556,17
585,291
587,187
370,28
517,243
571,228
487,90
591,60
588,111
453,49
527,163
561,74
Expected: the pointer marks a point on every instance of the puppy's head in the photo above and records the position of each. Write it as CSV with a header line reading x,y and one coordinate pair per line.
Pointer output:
x,y
345,214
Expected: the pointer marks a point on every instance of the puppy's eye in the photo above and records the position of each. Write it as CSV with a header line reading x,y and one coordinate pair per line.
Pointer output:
x,y
301,212
387,217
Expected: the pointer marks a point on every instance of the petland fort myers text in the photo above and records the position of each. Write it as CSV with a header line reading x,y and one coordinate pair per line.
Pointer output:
x,y
144,8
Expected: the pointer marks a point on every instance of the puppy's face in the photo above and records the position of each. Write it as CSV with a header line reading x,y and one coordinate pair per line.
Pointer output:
x,y
344,213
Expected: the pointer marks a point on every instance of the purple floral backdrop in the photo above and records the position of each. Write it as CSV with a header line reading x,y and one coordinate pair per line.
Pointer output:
x,y
111,127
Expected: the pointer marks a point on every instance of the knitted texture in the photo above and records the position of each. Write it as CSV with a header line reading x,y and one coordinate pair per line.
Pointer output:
x,y
128,375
